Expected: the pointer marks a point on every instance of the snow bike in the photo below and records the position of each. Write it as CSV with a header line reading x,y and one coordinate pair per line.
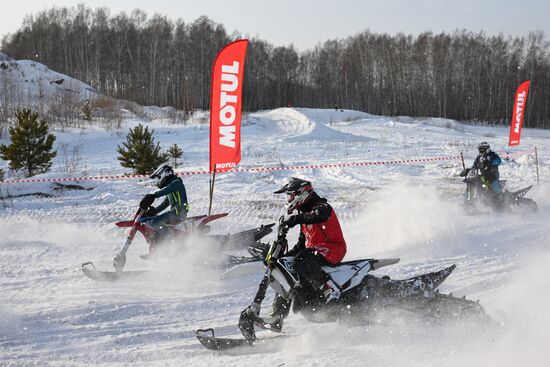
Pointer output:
x,y
479,194
362,294
192,226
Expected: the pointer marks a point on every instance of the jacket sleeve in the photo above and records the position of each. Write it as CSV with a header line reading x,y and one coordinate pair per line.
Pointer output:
x,y
162,205
319,214
163,192
495,160
299,246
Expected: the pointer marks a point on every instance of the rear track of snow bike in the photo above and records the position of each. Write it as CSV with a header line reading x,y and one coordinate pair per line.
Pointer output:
x,y
440,307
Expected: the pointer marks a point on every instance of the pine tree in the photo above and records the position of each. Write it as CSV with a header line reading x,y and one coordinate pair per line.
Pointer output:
x,y
31,144
1,175
140,152
175,152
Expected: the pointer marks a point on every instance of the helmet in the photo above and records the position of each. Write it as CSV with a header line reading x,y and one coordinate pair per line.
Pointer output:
x,y
484,148
164,175
298,193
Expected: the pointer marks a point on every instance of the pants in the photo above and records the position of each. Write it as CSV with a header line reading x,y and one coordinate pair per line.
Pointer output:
x,y
495,186
163,222
308,264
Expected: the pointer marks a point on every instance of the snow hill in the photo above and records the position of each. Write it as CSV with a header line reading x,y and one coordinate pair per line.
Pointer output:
x,y
28,81
50,314
4,57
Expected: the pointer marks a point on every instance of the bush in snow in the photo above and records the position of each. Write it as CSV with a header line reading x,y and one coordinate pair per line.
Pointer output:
x,y
31,144
87,110
175,153
1,175
140,152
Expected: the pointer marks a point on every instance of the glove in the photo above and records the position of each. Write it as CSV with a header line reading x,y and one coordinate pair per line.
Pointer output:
x,y
254,309
292,221
146,202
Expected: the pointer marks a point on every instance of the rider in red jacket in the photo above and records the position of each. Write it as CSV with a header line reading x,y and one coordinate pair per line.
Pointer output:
x,y
321,241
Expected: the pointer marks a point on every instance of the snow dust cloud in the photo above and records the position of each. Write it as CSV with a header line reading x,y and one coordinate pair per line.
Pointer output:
x,y
541,194
196,260
403,216
516,335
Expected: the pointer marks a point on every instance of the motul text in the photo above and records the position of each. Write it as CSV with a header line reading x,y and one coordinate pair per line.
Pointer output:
x,y
519,111
228,104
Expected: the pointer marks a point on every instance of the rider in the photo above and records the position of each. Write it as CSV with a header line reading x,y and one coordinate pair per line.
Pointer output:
x,y
173,189
487,162
321,241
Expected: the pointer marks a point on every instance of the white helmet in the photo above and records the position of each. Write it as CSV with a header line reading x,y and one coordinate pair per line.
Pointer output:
x,y
298,193
163,174
484,148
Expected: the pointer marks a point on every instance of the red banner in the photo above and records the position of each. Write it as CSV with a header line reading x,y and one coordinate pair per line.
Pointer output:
x,y
226,106
518,112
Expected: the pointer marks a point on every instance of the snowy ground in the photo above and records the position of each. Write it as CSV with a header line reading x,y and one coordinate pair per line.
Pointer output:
x,y
50,314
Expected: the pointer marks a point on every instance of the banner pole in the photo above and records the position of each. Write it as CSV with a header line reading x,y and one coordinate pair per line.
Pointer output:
x,y
462,159
537,164
209,193
212,183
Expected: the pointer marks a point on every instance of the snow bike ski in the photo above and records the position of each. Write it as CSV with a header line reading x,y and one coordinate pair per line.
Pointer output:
x,y
479,194
91,272
249,240
362,293
247,322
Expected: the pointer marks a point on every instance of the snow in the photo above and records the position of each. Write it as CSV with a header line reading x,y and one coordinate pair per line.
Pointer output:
x,y
28,81
50,314
4,57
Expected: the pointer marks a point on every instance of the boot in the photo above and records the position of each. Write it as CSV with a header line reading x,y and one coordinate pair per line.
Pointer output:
x,y
331,292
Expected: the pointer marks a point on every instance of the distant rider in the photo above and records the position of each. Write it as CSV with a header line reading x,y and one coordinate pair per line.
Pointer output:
x,y
172,188
487,162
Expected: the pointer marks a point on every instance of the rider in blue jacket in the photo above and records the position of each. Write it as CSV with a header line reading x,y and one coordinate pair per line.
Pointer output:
x,y
175,197
487,162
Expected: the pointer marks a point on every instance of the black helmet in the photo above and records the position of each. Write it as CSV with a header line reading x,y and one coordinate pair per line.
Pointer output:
x,y
164,175
484,148
298,193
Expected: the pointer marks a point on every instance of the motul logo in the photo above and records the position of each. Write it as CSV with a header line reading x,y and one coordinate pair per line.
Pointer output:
x,y
225,106
519,111
228,104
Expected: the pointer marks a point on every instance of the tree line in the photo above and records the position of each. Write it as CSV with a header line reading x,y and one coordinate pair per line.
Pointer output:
x,y
154,60
31,148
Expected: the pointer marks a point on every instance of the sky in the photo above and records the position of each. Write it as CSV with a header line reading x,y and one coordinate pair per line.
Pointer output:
x,y
305,23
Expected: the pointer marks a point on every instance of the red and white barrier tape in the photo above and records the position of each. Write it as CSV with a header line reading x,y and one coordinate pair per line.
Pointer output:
x,y
255,169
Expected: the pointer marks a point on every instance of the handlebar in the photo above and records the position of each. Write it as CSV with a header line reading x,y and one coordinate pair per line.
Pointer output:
x,y
279,246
